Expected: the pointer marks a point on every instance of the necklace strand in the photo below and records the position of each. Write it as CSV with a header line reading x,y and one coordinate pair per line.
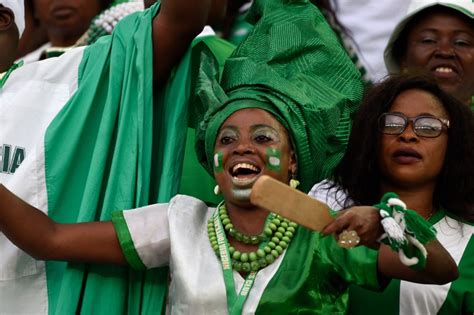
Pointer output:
x,y
274,239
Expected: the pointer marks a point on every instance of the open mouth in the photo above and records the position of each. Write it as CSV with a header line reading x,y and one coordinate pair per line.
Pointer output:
x,y
444,69
244,173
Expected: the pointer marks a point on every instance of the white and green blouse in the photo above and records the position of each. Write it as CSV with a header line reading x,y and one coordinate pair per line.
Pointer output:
x,y
311,276
403,297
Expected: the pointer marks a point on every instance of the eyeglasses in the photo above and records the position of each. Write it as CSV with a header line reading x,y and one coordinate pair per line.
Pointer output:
x,y
423,125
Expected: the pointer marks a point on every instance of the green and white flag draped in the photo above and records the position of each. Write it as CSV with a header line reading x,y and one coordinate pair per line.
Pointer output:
x,y
91,138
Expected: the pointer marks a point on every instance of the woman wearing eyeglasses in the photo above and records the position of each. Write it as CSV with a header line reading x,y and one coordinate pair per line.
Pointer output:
x,y
412,138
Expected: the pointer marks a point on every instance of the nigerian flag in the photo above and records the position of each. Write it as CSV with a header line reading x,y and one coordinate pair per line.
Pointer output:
x,y
81,136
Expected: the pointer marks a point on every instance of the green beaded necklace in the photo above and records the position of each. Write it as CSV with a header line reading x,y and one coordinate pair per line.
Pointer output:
x,y
274,239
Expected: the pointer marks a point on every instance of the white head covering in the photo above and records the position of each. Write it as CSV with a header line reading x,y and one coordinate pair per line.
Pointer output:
x,y
416,6
18,8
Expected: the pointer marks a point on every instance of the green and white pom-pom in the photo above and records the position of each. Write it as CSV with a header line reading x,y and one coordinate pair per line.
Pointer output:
x,y
405,231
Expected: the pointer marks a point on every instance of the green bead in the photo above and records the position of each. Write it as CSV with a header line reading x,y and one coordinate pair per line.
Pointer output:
x,y
269,259
237,265
262,262
278,235
215,247
246,267
244,257
214,242
289,234
286,239
275,254
254,266
232,250
267,249
281,230
246,239
272,226
279,249
228,226
275,240
293,224
276,221
283,244
254,240
261,252
268,231
252,256
225,221
238,237
271,244
236,255
284,224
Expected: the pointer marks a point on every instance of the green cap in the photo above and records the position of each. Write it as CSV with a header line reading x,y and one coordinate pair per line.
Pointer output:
x,y
293,66
417,6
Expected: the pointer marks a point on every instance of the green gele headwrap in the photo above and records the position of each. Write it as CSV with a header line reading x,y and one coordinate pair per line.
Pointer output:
x,y
218,164
293,66
273,159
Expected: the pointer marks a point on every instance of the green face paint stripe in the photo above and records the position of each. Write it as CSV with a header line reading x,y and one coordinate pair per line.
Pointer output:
x,y
273,159
217,163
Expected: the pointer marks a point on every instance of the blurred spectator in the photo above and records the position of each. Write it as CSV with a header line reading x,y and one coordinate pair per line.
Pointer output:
x,y
34,35
437,37
75,23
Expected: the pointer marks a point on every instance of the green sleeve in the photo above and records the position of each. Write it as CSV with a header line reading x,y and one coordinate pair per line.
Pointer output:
x,y
356,265
126,241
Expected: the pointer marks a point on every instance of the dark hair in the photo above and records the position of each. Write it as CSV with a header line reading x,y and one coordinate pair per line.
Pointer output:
x,y
400,45
358,173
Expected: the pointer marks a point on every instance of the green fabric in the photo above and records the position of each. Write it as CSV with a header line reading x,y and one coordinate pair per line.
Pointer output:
x,y
98,159
293,62
126,242
195,181
240,28
115,146
314,276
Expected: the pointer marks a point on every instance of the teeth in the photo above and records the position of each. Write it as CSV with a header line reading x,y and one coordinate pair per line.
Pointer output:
x,y
444,69
244,165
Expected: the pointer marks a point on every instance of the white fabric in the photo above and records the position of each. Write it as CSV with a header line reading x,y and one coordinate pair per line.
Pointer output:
x,y
331,196
35,55
197,283
18,8
30,99
371,22
428,298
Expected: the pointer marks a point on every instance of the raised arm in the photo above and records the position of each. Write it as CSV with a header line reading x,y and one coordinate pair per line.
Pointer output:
x,y
174,28
440,267
31,230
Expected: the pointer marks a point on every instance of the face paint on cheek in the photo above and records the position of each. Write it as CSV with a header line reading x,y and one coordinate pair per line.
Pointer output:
x,y
274,159
217,163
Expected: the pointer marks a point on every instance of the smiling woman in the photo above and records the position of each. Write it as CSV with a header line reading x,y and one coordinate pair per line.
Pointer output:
x,y
437,38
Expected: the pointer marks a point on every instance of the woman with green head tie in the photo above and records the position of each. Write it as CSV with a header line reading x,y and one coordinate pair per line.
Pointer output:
x,y
283,109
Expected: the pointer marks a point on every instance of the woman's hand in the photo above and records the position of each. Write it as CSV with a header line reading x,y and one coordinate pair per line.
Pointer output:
x,y
365,221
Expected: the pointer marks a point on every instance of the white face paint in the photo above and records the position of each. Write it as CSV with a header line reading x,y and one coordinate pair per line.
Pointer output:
x,y
241,194
274,161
